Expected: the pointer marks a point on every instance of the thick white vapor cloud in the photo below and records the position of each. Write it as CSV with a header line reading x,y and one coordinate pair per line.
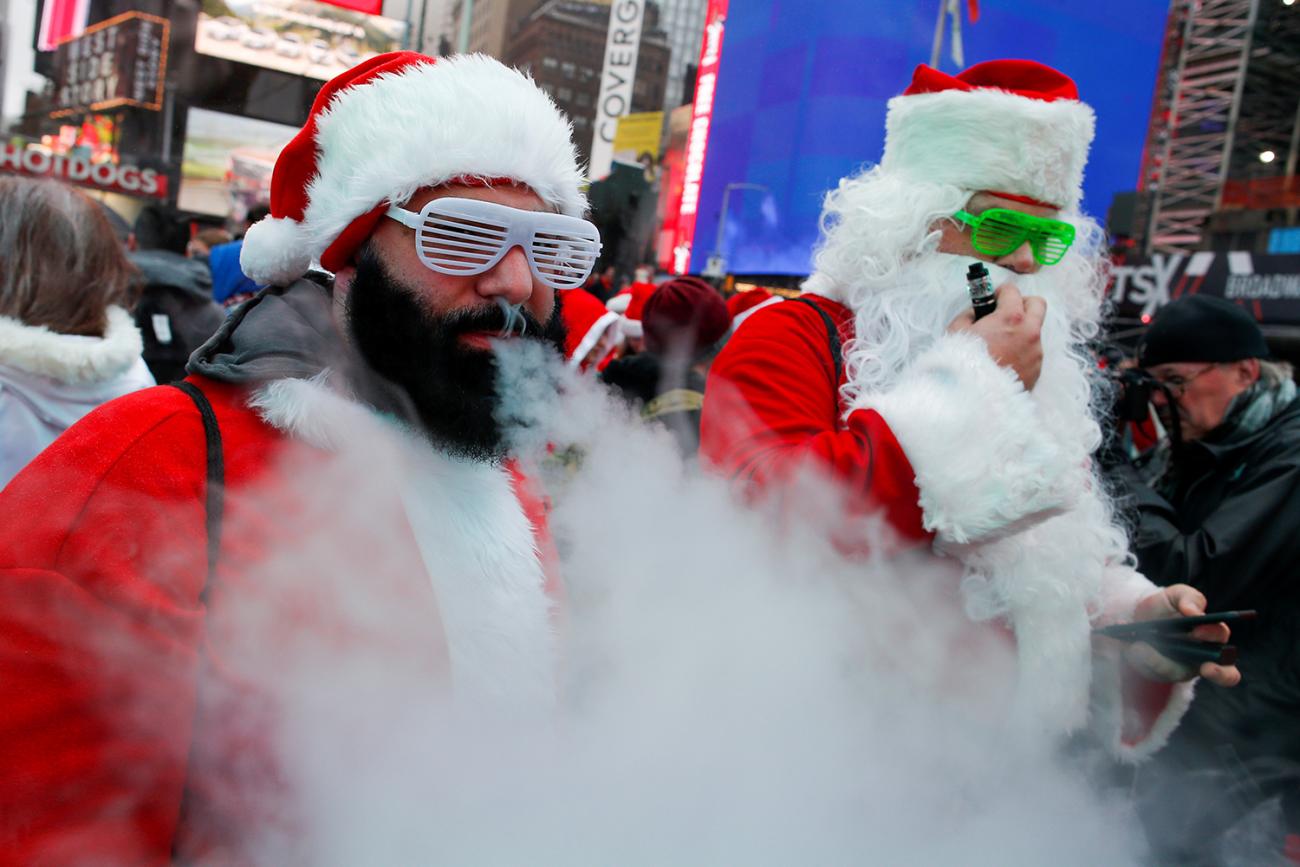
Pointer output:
x,y
730,691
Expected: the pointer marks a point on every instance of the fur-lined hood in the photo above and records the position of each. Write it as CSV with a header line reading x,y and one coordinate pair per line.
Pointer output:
x,y
70,358
48,381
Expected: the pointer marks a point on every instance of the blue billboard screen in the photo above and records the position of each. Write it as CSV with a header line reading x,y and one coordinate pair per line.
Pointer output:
x,y
802,90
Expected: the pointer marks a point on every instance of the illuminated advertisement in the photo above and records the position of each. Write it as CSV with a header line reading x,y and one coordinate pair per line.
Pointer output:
x,y
697,142
799,102
227,163
1267,286
301,37
60,21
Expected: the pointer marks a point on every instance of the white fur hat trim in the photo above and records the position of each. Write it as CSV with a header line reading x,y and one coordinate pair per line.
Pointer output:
x,y
275,251
989,139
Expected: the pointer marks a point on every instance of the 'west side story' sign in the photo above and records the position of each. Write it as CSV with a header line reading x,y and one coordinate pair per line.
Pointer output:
x,y
115,63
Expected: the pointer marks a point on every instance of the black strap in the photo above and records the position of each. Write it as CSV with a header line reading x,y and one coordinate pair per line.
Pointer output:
x,y
837,356
216,479
833,335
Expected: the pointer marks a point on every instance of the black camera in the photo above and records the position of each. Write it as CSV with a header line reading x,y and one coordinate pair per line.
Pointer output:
x,y
1134,389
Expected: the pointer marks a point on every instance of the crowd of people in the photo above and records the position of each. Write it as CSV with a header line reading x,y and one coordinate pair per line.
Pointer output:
x,y
430,215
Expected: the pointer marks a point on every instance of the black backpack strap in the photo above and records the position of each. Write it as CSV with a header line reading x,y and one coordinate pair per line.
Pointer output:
x,y
832,335
216,479
837,357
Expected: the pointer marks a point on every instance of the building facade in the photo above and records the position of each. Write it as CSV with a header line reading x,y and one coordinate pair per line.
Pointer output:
x,y
683,23
492,24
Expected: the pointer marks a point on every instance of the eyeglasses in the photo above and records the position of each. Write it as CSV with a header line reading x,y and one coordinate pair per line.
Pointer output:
x,y
464,237
999,231
1178,384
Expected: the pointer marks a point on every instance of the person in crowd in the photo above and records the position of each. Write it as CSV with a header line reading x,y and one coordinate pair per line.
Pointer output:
x,y
200,246
629,304
1218,507
602,285
684,322
67,343
592,332
230,285
175,313
328,492
970,437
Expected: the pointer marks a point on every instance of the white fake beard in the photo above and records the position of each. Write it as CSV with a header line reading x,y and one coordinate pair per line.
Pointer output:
x,y
896,323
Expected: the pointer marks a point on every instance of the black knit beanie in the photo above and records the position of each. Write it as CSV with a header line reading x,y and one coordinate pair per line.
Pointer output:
x,y
1201,328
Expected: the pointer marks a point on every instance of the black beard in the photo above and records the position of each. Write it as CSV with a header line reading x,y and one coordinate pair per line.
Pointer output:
x,y
453,388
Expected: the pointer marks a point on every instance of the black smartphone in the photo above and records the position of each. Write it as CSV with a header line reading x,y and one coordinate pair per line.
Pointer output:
x,y
1172,625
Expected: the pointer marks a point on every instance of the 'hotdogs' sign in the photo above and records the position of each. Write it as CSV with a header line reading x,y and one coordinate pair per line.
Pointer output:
x,y
36,161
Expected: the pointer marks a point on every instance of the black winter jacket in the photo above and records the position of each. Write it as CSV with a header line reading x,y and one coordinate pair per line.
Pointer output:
x,y
1233,531
176,313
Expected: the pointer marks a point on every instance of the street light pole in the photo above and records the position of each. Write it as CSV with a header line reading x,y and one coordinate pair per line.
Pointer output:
x,y
722,215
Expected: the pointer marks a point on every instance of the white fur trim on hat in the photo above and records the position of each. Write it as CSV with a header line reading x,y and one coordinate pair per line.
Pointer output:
x,y
619,303
741,317
466,115
592,337
631,327
985,464
988,139
275,251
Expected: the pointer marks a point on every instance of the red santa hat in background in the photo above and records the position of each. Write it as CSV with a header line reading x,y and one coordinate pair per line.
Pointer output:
x,y
685,314
1013,127
630,304
586,321
395,124
742,305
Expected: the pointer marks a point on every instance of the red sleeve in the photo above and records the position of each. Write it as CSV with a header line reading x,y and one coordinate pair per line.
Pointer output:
x,y
772,405
99,630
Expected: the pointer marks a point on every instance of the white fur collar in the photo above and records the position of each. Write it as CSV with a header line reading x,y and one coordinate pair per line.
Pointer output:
x,y
71,358
476,542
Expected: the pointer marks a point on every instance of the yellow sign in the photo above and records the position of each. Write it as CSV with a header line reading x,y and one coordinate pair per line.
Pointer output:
x,y
638,134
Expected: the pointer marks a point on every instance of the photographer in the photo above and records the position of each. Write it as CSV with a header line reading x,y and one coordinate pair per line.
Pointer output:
x,y
1218,507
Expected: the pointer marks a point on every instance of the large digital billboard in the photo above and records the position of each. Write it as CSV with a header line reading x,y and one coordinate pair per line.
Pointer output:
x,y
801,92
297,36
227,162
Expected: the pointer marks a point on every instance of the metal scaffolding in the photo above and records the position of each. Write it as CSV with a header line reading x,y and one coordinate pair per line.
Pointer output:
x,y
1207,52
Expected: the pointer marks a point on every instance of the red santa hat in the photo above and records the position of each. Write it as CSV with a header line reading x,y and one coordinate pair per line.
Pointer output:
x,y
744,304
684,314
630,303
1014,127
585,320
395,124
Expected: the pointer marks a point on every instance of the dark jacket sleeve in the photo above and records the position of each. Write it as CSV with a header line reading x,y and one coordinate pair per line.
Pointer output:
x,y
1248,541
100,625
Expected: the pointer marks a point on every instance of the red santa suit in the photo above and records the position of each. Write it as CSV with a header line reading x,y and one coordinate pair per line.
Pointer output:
x,y
954,453
105,621
359,568
587,324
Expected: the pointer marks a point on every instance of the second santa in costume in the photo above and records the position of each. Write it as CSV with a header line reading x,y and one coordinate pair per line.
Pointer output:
x,y
869,378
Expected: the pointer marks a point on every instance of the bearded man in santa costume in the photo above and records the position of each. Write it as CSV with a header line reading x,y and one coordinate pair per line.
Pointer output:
x,y
328,494
972,437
